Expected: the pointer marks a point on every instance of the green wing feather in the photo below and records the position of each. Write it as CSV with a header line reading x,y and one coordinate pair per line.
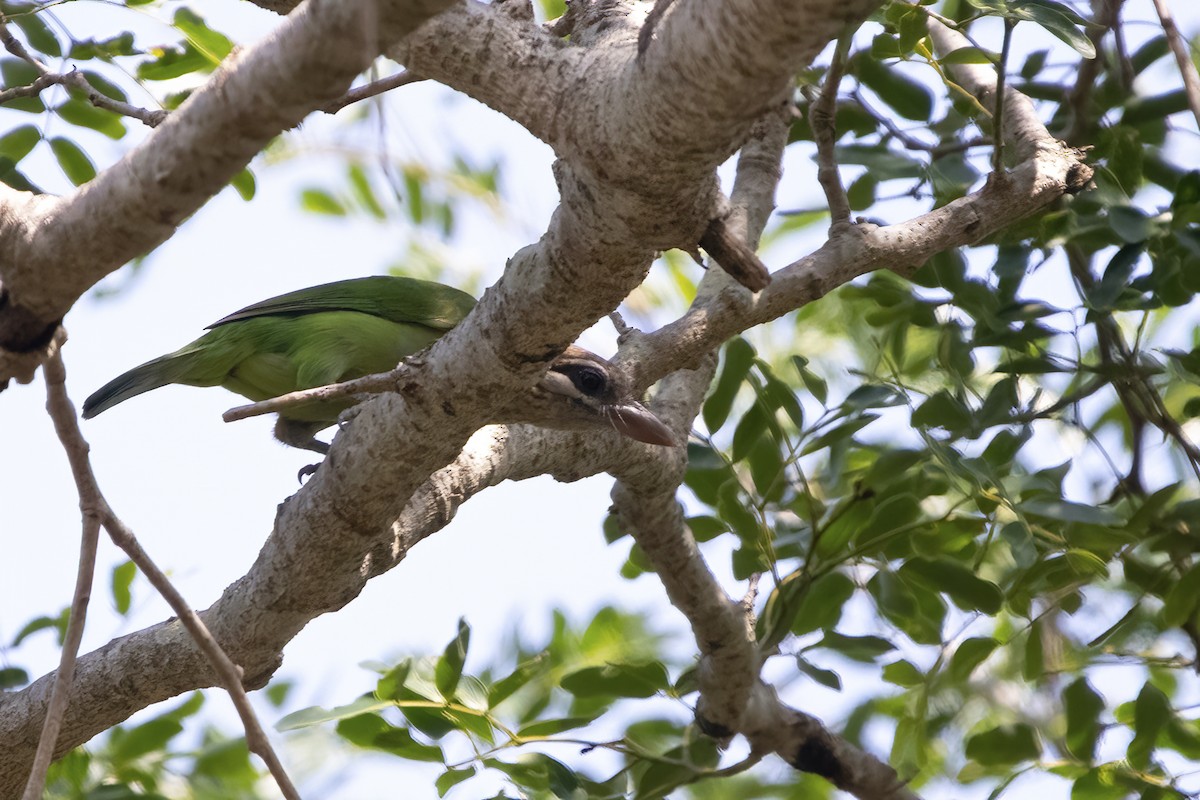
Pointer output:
x,y
311,337
405,300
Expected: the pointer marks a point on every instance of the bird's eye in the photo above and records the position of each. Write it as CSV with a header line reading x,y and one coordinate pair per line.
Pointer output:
x,y
589,380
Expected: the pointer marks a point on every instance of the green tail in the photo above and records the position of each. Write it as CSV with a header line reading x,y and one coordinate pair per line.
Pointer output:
x,y
151,375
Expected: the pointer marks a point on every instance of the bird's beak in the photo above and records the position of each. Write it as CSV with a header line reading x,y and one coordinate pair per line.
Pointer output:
x,y
637,422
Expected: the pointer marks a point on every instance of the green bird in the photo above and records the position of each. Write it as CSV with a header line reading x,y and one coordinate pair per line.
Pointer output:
x,y
347,329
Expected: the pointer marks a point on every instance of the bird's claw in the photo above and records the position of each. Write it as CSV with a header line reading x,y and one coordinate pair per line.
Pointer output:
x,y
307,471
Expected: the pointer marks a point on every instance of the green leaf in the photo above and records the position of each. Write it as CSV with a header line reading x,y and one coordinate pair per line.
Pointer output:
x,y
523,674
1003,745
173,62
57,624
1067,511
618,680
1057,18
943,410
660,779
1083,706
822,603
148,737
450,665
360,185
12,678
738,357
968,591
1130,223
970,55
319,201
122,579
17,143
74,162
374,732
86,115
825,677
857,648
315,715
753,424
104,86
38,33
244,184
839,433
391,685
550,727
883,162
1151,712
1033,665
903,673
1183,599
969,655
816,385
451,778
910,98
119,45
1116,277
215,46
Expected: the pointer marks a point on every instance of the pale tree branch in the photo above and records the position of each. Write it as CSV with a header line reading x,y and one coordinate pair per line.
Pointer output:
x,y
1183,57
52,249
96,512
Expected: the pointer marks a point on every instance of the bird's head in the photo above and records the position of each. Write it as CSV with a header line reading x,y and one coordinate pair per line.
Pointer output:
x,y
597,392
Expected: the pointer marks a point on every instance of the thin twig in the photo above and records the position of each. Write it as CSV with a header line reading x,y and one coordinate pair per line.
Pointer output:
x,y
1001,81
13,45
402,78
821,116
73,79
378,383
912,142
63,414
97,509
1187,68
77,80
229,674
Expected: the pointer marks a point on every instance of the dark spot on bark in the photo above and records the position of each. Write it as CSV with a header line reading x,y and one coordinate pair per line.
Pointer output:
x,y
21,331
815,756
971,227
714,729
447,408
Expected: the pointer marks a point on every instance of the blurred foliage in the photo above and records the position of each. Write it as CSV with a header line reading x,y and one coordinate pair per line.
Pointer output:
x,y
977,488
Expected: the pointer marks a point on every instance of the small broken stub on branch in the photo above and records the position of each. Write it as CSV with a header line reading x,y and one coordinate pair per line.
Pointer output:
x,y
734,256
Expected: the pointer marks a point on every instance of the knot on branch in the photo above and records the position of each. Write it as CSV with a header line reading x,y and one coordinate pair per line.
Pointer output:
x,y
26,342
733,255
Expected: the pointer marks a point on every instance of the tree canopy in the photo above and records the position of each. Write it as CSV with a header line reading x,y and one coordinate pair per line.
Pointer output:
x,y
933,525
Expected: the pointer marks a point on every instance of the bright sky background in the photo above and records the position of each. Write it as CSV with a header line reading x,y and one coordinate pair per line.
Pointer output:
x,y
202,494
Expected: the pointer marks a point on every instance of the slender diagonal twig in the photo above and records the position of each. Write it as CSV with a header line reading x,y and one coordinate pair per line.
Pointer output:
x,y
1179,46
821,115
372,89
90,504
97,512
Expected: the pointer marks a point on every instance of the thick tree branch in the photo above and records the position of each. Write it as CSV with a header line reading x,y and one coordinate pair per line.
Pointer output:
x,y
54,249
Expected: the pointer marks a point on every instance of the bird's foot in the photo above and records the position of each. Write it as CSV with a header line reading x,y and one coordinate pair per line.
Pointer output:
x,y
307,471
